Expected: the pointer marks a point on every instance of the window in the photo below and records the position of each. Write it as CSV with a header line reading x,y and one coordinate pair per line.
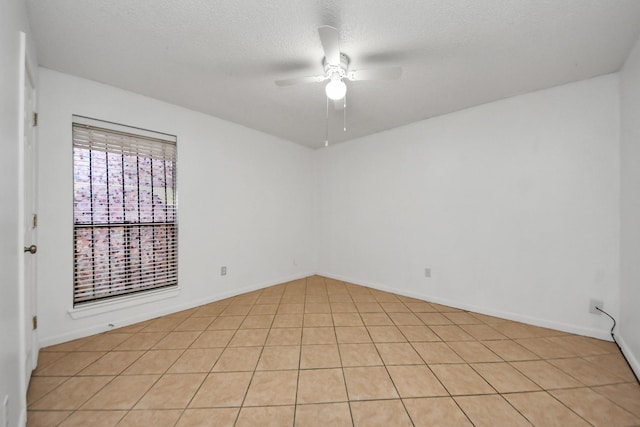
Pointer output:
x,y
124,210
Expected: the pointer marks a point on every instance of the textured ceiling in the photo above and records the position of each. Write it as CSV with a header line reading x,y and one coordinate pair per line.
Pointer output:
x,y
222,57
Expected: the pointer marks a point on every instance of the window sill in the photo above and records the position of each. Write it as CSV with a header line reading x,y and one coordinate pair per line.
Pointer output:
x,y
93,309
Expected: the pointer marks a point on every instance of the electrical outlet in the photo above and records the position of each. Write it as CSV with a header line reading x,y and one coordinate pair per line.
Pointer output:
x,y
427,272
593,303
223,270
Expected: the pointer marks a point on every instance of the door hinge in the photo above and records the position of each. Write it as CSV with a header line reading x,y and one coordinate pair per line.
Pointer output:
x,y
35,322
35,119
35,220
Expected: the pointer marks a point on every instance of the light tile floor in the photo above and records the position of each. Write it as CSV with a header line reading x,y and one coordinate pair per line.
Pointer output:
x,y
319,352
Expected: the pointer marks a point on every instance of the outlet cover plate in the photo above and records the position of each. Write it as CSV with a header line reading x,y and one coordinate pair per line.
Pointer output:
x,y
593,303
223,270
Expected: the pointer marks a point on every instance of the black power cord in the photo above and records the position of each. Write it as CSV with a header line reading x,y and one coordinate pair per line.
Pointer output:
x,y
615,341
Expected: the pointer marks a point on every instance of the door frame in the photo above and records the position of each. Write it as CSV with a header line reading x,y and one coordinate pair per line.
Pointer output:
x,y
28,337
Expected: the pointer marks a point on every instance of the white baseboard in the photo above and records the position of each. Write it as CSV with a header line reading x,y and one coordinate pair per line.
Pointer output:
x,y
628,354
574,329
22,420
96,329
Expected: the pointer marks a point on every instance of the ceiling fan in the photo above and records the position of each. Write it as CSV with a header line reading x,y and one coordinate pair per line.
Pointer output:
x,y
336,68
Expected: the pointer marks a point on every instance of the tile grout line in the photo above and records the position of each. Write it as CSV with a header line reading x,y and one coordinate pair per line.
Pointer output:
x,y
531,334
184,410
451,397
399,395
160,376
387,369
344,379
548,390
304,304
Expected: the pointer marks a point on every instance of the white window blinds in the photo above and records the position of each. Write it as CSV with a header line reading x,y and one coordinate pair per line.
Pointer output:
x,y
125,219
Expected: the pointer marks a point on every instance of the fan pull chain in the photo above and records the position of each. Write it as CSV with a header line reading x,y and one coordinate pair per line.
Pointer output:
x,y
326,137
344,115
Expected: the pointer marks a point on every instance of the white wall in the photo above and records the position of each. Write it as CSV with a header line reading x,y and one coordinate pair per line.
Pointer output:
x,y
512,204
13,20
629,331
246,201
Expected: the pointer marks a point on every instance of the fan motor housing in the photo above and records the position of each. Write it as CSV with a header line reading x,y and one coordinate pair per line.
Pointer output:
x,y
341,69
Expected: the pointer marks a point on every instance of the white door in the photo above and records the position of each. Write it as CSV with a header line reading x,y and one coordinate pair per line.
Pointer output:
x,y
30,235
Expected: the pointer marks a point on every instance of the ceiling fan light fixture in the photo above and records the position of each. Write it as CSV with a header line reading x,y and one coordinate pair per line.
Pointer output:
x,y
336,89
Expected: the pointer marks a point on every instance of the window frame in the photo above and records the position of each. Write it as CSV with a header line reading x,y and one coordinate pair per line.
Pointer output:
x,y
129,295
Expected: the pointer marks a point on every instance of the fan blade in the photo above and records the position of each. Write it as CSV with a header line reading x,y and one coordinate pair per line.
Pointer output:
x,y
330,39
390,73
299,80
